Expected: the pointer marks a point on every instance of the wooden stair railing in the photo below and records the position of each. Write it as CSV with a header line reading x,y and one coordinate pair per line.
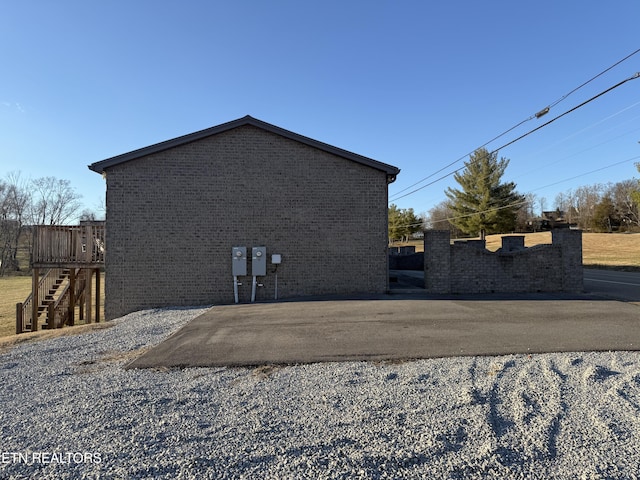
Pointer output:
x,y
49,290
59,292
61,312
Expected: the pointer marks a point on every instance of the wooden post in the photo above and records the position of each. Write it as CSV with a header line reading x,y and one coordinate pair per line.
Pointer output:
x,y
71,309
35,300
97,295
81,298
51,316
19,319
87,293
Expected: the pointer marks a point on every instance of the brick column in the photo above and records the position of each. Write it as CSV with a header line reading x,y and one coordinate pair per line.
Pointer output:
x,y
570,242
437,261
513,243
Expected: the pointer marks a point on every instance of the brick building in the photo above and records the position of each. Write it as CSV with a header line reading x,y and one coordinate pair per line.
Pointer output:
x,y
176,209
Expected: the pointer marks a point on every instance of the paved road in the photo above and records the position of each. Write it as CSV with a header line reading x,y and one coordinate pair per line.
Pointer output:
x,y
619,285
608,283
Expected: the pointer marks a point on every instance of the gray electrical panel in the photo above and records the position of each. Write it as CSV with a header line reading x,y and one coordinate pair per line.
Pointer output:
x,y
239,261
259,261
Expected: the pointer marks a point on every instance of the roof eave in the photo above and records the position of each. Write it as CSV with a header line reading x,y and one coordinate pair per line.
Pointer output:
x,y
101,166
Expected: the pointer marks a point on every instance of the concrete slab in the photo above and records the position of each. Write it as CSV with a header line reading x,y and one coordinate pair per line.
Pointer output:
x,y
392,327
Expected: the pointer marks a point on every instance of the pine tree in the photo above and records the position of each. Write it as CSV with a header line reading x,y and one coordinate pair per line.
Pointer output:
x,y
402,223
484,205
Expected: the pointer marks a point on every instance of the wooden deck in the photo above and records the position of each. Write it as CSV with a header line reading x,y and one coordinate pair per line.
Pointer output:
x,y
64,263
64,246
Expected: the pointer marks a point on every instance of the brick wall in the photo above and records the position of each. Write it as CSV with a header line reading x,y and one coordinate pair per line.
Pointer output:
x,y
437,261
173,216
411,261
467,267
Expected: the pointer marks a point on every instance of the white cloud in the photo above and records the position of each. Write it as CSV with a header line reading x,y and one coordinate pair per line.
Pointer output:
x,y
14,106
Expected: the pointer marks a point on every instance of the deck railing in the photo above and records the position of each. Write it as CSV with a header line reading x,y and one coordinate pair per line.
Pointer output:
x,y
58,312
70,245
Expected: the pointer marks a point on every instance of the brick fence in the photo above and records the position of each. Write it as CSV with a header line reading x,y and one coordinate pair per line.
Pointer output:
x,y
468,267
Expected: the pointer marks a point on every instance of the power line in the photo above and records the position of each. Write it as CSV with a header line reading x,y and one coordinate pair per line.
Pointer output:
x,y
633,77
464,156
495,209
593,78
591,147
515,204
582,130
539,114
588,173
578,153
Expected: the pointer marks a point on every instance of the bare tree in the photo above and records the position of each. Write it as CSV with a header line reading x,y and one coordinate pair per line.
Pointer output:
x,y
542,201
585,201
55,202
439,218
526,219
622,195
562,204
14,202
88,216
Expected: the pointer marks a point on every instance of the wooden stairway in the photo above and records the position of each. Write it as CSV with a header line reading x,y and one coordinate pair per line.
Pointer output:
x,y
56,289
59,291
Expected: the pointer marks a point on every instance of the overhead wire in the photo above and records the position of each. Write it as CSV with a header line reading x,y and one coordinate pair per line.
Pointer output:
x,y
539,114
515,204
608,117
585,129
546,165
633,77
593,78
589,172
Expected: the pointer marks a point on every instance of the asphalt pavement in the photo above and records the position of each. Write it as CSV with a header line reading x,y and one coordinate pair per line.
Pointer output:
x,y
406,325
615,284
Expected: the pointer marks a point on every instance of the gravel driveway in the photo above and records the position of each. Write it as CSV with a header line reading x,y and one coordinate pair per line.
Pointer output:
x,y
71,410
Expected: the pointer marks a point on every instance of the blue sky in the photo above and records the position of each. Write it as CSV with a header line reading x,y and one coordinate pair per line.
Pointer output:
x,y
415,84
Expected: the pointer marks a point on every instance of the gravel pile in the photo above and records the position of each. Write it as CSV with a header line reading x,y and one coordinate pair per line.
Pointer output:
x,y
71,410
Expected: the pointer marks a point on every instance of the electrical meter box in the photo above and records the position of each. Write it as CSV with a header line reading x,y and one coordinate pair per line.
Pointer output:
x,y
239,261
259,261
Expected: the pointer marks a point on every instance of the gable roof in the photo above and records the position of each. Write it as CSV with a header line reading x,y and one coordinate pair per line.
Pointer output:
x,y
101,166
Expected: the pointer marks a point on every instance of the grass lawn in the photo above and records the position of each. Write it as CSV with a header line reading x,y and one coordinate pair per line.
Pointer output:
x,y
14,290
606,249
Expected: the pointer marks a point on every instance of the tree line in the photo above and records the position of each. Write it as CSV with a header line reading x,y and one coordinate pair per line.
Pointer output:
x,y
484,204
28,202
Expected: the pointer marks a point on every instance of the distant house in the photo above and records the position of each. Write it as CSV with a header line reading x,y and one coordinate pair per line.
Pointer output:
x,y
548,221
177,209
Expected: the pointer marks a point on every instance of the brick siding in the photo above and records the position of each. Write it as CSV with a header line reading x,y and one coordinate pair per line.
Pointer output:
x,y
173,216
